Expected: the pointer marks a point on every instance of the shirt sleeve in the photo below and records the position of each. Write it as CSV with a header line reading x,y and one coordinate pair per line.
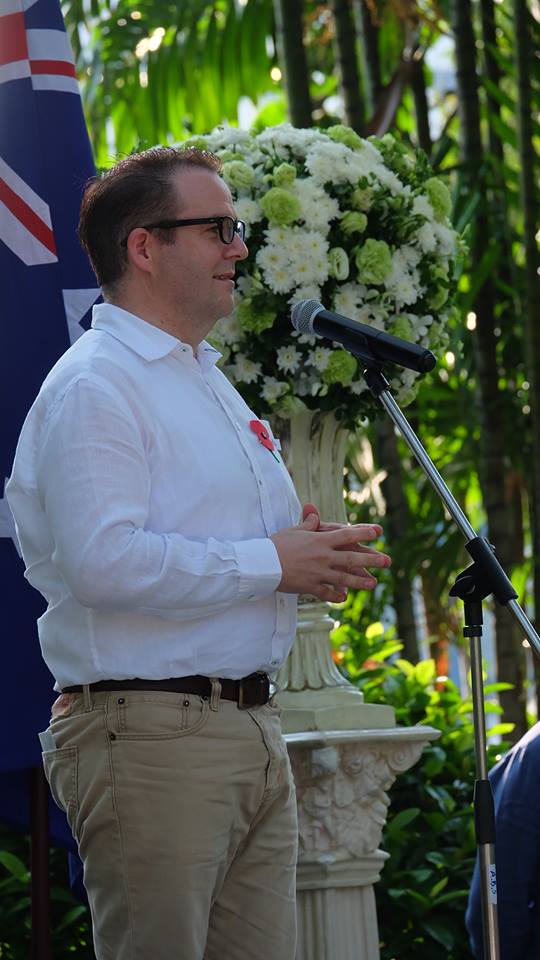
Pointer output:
x,y
94,484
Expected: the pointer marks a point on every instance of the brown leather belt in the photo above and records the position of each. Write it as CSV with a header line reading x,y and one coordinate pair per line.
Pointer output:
x,y
250,691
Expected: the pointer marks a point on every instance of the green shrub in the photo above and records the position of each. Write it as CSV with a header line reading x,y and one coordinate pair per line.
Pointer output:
x,y
422,894
70,920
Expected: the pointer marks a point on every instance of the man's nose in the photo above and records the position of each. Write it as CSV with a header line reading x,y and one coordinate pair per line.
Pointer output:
x,y
237,248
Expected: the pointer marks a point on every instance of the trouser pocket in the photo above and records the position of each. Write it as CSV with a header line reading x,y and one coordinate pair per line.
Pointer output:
x,y
61,768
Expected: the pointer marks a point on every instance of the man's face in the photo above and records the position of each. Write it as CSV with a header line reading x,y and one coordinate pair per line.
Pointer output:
x,y
195,273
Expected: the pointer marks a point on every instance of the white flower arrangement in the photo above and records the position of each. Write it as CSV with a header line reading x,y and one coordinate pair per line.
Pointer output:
x,y
361,225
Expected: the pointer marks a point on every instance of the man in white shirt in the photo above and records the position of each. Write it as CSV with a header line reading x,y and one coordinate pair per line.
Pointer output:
x,y
165,538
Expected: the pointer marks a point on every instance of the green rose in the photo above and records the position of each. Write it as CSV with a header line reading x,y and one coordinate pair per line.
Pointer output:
x,y
362,199
341,368
226,155
236,173
196,143
254,319
402,327
284,175
373,261
352,222
439,198
280,207
342,134
339,263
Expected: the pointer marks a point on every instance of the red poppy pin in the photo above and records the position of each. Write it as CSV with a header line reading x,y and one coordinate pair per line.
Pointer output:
x,y
263,436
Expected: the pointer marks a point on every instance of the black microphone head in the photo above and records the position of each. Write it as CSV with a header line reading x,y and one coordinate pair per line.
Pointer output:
x,y
303,315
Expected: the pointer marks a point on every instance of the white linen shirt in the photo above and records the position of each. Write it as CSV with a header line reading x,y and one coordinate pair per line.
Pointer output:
x,y
144,502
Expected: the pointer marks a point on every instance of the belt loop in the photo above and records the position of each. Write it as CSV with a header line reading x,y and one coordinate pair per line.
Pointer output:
x,y
216,693
87,697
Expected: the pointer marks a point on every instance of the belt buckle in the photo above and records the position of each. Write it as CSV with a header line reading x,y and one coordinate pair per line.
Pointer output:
x,y
258,692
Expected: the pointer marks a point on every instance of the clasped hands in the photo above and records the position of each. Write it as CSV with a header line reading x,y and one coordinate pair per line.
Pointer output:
x,y
326,559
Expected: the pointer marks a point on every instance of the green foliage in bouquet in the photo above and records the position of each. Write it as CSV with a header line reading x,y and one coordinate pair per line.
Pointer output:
x,y
423,891
359,225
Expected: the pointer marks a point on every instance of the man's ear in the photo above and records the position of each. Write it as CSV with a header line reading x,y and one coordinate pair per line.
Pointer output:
x,y
139,249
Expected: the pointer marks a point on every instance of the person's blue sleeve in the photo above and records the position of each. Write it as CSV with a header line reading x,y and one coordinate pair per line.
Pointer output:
x,y
473,917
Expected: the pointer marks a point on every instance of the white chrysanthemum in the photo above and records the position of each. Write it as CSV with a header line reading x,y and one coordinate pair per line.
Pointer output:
x,y
305,272
403,283
226,137
288,358
446,239
304,338
286,139
426,238
319,358
273,389
294,242
272,257
279,279
305,292
349,297
420,325
358,387
315,245
227,330
403,288
318,208
248,210
422,208
336,163
246,370
293,258
410,256
277,236
307,384
389,179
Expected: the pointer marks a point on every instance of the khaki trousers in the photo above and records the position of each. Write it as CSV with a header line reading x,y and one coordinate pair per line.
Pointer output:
x,y
185,818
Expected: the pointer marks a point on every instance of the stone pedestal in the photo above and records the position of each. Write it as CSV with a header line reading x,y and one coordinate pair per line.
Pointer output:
x,y
345,753
341,782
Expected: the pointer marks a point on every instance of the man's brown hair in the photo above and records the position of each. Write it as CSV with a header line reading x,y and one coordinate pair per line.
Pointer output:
x,y
135,191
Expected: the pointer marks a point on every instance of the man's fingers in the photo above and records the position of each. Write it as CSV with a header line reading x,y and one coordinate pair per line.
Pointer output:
x,y
308,509
331,594
354,533
352,561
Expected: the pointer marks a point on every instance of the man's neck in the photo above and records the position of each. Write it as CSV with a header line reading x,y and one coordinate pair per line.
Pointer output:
x,y
147,311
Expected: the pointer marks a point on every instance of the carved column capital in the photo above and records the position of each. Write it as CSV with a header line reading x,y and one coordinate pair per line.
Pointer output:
x,y
342,782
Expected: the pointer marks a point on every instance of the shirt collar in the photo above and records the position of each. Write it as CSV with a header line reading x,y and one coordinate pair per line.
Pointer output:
x,y
150,342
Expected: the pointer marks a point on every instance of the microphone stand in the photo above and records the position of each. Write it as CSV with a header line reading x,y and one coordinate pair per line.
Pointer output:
x,y
485,576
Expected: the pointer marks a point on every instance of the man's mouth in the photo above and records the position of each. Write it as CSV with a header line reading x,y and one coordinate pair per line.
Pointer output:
x,y
225,276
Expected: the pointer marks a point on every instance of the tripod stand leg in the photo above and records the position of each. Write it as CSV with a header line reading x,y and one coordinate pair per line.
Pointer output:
x,y
484,811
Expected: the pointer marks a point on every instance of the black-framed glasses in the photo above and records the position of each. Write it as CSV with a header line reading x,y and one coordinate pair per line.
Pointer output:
x,y
228,227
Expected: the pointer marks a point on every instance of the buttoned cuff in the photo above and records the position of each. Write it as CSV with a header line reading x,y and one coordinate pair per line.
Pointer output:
x,y
259,568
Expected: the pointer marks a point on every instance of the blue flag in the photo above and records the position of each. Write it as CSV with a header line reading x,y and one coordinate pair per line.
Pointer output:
x,y
47,290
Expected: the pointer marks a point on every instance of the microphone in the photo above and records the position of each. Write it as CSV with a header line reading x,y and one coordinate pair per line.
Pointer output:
x,y
309,317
